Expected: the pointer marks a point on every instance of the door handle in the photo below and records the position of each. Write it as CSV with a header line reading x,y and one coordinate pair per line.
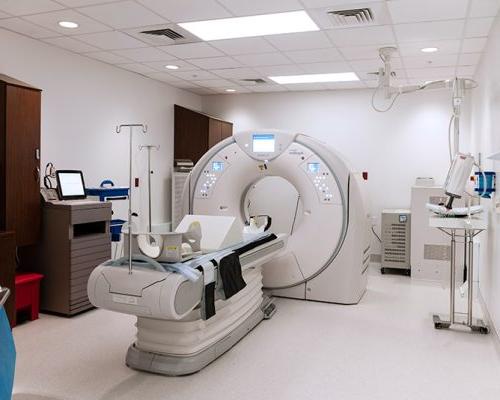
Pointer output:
x,y
4,295
37,174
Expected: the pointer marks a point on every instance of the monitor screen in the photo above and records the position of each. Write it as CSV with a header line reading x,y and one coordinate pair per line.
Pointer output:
x,y
263,143
70,185
217,166
313,168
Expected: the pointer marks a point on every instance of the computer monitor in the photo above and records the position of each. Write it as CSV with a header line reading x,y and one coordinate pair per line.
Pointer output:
x,y
70,185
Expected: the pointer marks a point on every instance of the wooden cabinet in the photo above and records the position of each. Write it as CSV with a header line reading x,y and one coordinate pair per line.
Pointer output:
x,y
20,160
8,271
195,133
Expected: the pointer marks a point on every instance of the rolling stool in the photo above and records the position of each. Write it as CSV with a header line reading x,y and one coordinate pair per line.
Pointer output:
x,y
28,293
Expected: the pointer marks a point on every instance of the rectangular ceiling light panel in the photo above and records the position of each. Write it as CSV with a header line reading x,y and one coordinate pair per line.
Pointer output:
x,y
315,78
255,25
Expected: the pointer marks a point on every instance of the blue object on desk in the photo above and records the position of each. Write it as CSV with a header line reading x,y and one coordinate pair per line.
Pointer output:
x,y
7,357
108,191
490,183
116,229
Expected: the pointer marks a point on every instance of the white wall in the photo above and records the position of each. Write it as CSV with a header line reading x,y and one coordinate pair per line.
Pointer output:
x,y
486,139
82,102
394,147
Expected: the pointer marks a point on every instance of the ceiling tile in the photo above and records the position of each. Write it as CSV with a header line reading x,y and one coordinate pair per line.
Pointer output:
x,y
300,41
306,86
431,60
243,46
111,40
317,55
484,8
362,36
478,27
166,77
144,54
469,59
253,60
186,10
404,11
254,7
374,64
180,84
82,3
160,65
474,45
215,62
25,7
278,70
360,52
345,85
431,73
426,31
213,83
324,68
267,87
444,46
108,57
236,73
69,43
139,68
192,50
26,28
194,75
125,14
327,3
51,21
202,91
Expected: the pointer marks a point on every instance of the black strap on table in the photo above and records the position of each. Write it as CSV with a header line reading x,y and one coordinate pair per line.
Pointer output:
x,y
207,308
253,245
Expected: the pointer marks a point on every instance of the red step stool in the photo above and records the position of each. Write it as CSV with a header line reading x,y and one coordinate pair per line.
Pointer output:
x,y
28,293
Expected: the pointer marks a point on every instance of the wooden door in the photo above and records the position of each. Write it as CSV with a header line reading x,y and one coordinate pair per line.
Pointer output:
x,y
214,132
227,130
23,211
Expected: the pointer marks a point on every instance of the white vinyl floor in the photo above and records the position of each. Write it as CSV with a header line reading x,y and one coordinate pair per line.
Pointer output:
x,y
384,348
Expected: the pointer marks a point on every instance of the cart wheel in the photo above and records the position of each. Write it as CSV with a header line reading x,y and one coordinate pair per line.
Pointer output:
x,y
438,325
408,272
382,270
483,330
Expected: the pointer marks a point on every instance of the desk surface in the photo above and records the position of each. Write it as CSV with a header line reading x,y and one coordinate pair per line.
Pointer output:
x,y
474,223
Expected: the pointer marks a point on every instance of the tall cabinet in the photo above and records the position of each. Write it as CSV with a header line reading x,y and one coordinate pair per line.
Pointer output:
x,y
20,208
195,133
20,160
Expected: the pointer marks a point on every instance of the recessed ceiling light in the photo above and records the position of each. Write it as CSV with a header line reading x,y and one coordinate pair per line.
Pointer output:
x,y
429,49
255,25
68,24
171,66
230,90
315,78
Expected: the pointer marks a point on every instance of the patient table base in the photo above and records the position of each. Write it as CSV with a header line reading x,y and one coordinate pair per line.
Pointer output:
x,y
175,365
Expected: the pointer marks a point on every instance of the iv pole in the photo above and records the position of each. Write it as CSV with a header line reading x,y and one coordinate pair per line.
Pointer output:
x,y
150,172
118,130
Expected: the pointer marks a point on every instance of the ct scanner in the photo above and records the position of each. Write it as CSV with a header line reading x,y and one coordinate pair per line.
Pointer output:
x,y
319,250
328,249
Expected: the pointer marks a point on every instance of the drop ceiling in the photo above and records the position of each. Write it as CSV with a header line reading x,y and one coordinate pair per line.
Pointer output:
x,y
109,32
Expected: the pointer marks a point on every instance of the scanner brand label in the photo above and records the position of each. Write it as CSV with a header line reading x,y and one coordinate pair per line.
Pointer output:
x,y
124,299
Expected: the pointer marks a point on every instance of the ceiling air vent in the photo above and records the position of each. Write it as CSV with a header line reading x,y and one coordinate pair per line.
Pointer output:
x,y
256,81
356,16
170,33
